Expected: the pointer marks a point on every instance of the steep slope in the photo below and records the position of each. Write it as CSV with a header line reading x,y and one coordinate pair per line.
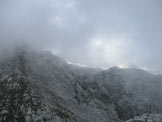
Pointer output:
x,y
36,86
132,91
40,87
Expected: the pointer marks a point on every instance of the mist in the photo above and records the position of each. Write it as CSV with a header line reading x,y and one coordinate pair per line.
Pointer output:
x,y
93,33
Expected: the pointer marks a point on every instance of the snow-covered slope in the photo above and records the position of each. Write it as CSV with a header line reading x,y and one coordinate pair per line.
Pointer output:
x,y
147,118
36,86
132,91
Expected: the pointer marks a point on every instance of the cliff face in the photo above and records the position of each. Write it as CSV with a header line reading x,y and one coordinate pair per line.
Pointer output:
x,y
40,87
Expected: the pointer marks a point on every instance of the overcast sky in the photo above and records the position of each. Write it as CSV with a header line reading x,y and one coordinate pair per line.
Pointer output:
x,y
102,33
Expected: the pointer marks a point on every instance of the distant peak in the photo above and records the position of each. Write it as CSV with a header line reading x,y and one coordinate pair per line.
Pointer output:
x,y
114,68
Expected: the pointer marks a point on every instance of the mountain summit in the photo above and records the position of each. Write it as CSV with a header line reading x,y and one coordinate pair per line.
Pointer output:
x,y
36,86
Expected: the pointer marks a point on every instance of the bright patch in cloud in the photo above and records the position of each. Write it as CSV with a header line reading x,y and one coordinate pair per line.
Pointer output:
x,y
112,51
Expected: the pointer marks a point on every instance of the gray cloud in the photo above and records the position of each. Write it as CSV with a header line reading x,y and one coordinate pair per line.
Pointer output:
x,y
90,32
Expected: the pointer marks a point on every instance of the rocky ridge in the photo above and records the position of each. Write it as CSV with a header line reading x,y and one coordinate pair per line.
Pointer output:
x,y
36,86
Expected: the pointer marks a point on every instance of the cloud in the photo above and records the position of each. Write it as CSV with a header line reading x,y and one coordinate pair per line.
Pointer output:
x,y
96,33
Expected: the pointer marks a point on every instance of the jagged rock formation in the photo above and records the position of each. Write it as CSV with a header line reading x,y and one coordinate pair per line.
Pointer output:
x,y
36,86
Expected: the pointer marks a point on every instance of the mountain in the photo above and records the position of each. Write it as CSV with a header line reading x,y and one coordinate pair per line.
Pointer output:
x,y
37,86
132,91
